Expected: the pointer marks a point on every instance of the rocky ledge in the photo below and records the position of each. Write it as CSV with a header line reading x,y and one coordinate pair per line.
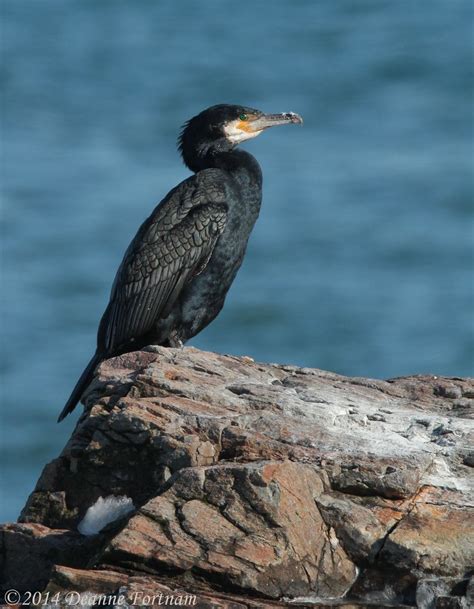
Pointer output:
x,y
255,486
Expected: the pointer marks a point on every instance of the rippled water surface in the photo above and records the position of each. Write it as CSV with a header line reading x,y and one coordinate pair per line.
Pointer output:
x,y
361,261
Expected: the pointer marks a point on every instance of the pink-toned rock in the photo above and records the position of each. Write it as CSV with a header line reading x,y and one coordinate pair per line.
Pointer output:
x,y
255,483
83,580
433,539
253,526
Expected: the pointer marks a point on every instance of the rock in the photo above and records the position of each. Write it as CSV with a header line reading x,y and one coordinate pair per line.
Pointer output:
x,y
30,551
442,546
82,580
251,527
442,592
256,485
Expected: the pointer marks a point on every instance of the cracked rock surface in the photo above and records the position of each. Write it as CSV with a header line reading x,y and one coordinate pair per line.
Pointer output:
x,y
258,485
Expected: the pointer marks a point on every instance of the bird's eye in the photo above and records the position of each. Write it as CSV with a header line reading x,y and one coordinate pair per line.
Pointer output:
x,y
243,117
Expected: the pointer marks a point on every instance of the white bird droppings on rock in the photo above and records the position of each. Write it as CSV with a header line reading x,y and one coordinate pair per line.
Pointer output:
x,y
103,512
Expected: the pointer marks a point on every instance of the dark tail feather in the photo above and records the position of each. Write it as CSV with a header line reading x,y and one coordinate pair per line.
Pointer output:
x,y
81,384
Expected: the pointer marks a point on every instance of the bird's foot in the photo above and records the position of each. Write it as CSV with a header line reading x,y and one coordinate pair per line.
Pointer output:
x,y
176,343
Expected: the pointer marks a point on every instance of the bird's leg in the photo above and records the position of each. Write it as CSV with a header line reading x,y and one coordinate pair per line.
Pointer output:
x,y
176,343
174,340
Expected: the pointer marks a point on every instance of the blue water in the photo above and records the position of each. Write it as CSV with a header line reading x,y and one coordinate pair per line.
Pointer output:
x,y
361,261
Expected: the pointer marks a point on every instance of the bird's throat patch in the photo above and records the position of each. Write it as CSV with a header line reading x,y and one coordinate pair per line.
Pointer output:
x,y
238,131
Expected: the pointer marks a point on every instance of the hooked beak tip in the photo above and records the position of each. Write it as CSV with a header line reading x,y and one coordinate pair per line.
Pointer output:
x,y
294,118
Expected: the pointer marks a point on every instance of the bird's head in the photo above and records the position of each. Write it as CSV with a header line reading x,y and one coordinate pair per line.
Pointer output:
x,y
220,128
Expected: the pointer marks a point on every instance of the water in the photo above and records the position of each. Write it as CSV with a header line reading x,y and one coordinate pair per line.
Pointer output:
x,y
361,261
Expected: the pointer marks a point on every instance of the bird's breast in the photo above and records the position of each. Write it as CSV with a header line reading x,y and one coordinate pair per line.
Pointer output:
x,y
204,297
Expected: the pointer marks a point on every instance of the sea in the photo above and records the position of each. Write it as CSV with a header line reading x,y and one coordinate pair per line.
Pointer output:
x,y
362,259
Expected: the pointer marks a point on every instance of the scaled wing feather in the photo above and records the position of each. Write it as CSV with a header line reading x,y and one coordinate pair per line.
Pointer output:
x,y
171,247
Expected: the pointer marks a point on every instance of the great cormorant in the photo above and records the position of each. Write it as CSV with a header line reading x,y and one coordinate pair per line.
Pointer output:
x,y
176,272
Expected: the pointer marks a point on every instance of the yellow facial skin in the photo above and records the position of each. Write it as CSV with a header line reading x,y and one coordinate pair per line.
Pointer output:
x,y
238,131
247,124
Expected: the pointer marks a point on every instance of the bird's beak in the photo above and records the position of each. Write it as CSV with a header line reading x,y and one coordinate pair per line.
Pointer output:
x,y
265,121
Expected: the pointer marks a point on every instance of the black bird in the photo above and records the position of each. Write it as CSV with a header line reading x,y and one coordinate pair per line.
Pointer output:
x,y
176,272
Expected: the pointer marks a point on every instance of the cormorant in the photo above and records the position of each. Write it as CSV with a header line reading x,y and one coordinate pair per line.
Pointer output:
x,y
176,272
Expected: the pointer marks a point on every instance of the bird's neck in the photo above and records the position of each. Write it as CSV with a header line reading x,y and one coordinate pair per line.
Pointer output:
x,y
234,161
238,162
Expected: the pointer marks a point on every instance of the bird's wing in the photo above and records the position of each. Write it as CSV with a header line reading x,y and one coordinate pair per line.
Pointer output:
x,y
173,245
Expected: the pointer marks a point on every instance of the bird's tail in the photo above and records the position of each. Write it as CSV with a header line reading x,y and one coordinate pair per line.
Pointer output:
x,y
81,384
